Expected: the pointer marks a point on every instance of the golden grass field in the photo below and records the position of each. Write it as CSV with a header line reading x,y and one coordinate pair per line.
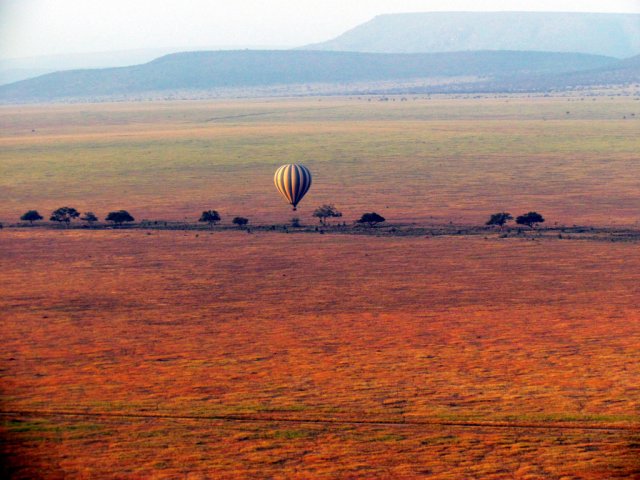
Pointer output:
x,y
195,354
434,160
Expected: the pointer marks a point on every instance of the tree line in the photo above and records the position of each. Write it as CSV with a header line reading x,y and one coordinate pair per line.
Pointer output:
x,y
67,214
530,219
323,213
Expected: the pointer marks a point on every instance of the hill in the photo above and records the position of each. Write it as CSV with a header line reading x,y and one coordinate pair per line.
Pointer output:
x,y
621,73
617,35
207,71
624,72
16,69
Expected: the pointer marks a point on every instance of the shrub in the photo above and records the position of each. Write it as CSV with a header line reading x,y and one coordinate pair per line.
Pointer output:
x,y
119,217
530,219
31,216
499,219
371,219
89,217
240,221
64,214
210,216
326,211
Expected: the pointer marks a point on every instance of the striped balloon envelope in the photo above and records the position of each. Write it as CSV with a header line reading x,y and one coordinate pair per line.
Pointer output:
x,y
293,182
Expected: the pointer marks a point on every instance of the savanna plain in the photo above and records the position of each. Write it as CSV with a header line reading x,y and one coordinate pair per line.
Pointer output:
x,y
215,353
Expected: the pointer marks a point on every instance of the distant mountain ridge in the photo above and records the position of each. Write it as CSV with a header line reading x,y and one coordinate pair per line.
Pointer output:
x,y
611,34
202,71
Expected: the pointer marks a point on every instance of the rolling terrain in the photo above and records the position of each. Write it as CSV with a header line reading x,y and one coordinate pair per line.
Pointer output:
x,y
616,35
437,52
255,73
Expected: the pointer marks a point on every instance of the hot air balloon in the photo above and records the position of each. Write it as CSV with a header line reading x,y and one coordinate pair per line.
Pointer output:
x,y
293,182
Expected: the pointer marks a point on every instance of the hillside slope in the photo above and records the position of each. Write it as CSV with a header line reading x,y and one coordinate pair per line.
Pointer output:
x,y
622,73
616,35
202,71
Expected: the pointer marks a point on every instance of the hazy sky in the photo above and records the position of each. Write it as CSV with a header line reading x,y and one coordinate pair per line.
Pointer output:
x,y
46,27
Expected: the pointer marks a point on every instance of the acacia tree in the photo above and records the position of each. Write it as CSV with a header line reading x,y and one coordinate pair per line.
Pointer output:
x,y
210,216
326,211
499,219
89,217
119,217
31,216
371,219
240,221
64,214
530,219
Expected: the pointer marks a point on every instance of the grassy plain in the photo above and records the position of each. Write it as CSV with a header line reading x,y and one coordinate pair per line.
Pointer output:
x,y
284,330
320,327
421,160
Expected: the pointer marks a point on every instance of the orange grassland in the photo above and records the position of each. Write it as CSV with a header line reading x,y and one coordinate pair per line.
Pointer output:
x,y
194,354
291,328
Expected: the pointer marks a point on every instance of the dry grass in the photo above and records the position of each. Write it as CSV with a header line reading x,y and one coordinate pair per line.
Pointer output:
x,y
320,326
326,326
424,160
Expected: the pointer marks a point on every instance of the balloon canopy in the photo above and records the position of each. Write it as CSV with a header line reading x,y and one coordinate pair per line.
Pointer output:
x,y
293,182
